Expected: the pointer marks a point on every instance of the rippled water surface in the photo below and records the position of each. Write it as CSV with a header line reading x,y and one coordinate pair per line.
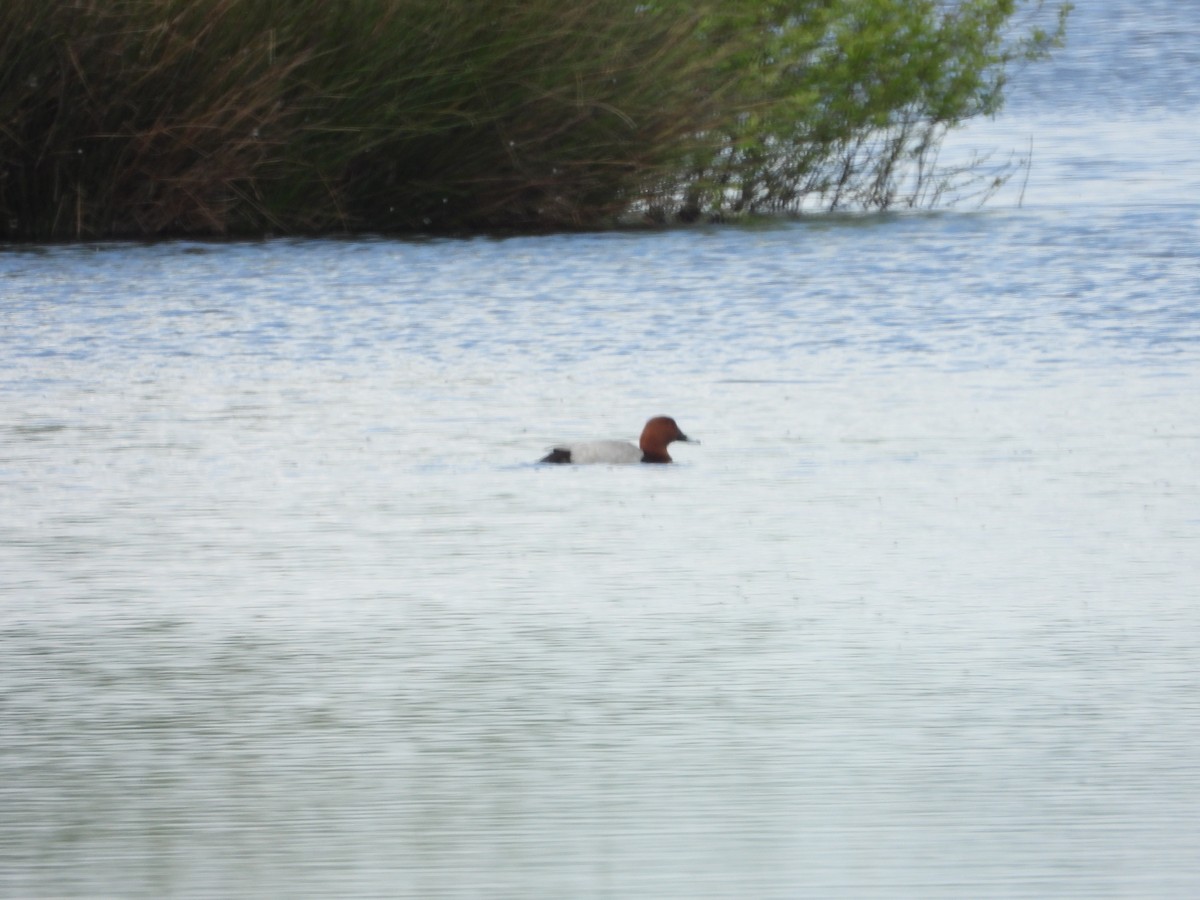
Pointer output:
x,y
289,610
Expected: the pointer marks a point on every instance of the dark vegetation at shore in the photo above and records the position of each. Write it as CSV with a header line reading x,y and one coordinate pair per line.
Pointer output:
x,y
140,118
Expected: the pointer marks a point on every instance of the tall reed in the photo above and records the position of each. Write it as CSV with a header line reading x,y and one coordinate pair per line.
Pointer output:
x,y
169,117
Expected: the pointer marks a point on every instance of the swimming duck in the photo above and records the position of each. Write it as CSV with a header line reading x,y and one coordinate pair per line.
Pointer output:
x,y
652,447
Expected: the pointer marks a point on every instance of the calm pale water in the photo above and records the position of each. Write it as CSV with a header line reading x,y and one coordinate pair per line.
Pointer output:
x,y
288,610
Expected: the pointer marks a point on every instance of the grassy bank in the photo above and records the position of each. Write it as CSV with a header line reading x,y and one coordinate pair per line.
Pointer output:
x,y
132,118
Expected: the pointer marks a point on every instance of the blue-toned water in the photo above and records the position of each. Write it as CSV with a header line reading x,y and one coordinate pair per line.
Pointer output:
x,y
288,610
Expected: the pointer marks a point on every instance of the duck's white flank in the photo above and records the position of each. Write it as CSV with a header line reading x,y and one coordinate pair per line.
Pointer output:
x,y
617,453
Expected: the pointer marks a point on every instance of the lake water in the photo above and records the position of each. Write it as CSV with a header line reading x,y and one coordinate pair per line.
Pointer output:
x,y
289,610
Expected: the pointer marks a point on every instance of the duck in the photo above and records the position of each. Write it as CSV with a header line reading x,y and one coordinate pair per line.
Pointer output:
x,y
652,447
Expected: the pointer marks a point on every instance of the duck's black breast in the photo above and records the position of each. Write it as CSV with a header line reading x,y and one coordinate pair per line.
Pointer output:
x,y
558,455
